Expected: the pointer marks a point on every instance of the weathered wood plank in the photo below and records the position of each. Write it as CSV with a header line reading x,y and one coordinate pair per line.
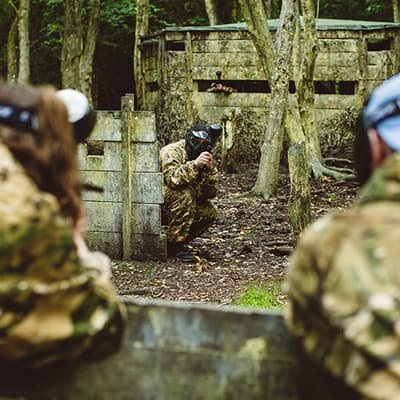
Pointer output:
x,y
146,157
151,75
245,100
111,182
146,219
147,188
108,126
229,73
109,243
337,45
149,247
221,35
223,46
103,216
379,57
337,72
110,161
144,127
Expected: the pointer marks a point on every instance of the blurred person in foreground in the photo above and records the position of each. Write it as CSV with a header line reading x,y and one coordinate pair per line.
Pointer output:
x,y
344,277
57,303
190,182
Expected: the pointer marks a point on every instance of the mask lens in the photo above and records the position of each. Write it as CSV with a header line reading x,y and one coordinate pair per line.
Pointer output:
x,y
202,135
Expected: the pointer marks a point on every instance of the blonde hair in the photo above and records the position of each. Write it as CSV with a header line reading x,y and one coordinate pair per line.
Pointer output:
x,y
47,153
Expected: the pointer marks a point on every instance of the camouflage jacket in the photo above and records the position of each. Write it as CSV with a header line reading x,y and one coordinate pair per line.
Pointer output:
x,y
180,173
54,305
344,288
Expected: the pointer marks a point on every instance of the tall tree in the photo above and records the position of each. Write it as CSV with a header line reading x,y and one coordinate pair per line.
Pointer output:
x,y
87,57
211,8
272,146
396,10
72,48
77,58
24,44
142,28
12,46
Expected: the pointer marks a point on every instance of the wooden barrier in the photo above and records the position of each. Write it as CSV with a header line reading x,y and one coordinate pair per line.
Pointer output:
x,y
178,351
124,220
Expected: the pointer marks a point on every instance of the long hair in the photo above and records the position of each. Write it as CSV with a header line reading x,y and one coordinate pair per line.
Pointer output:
x,y
47,153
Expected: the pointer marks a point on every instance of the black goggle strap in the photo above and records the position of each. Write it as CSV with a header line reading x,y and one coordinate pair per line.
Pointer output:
x,y
391,109
19,118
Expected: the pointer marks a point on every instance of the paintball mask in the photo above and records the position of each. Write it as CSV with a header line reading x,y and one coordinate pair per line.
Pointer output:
x,y
201,138
80,114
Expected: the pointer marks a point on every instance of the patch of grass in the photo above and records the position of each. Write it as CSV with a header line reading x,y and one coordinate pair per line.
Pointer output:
x,y
262,295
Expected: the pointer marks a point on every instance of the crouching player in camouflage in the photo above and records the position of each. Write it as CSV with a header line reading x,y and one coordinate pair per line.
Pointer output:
x,y
344,279
57,303
190,181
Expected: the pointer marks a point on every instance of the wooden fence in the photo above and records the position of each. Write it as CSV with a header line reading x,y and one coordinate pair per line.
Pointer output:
x,y
122,157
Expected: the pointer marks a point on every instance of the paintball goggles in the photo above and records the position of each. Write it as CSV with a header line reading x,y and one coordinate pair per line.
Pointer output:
x,y
201,138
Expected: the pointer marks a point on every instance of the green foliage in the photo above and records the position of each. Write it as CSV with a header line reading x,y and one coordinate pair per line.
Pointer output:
x,y
262,296
379,10
331,197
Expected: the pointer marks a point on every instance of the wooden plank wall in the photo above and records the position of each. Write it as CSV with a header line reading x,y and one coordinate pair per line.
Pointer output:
x,y
124,221
104,210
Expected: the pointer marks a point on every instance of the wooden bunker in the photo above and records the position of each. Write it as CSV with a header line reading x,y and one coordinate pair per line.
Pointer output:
x,y
180,64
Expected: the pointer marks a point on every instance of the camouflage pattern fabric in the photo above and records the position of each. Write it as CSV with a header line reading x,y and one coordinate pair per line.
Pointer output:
x,y
344,289
187,210
54,305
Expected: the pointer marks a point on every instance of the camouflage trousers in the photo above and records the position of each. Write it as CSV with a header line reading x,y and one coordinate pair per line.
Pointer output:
x,y
186,216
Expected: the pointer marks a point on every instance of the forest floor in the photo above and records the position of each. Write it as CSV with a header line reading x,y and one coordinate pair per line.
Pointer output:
x,y
248,245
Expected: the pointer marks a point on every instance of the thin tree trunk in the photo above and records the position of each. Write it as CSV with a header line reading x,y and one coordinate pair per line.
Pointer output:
x,y
211,8
300,192
71,51
12,47
257,25
24,45
396,10
305,87
142,27
268,8
271,149
86,62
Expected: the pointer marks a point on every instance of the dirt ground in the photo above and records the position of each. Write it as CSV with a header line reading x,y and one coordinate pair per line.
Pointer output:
x,y
250,243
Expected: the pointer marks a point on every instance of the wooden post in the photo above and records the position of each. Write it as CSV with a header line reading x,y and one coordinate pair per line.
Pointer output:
x,y
127,110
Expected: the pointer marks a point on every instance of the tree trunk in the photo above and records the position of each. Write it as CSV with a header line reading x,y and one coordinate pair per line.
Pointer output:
x,y
71,51
300,193
268,8
268,170
211,8
396,10
257,25
12,65
142,27
305,87
24,45
86,62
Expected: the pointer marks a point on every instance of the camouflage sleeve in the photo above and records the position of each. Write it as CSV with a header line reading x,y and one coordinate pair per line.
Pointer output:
x,y
55,305
209,184
343,319
178,172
